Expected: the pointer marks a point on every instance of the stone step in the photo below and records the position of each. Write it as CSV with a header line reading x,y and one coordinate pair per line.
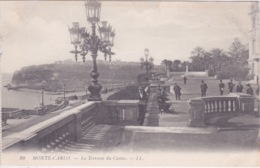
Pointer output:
x,y
178,130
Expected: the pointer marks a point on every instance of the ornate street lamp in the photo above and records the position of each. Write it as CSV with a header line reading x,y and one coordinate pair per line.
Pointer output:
x,y
146,52
64,92
42,96
80,38
107,37
148,64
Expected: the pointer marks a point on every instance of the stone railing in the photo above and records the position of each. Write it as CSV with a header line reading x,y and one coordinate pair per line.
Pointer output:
x,y
60,106
59,132
13,114
203,108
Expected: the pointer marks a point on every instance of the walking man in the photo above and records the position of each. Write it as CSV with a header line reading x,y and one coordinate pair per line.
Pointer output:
x,y
221,87
177,91
184,79
231,86
203,87
249,90
239,88
142,105
257,91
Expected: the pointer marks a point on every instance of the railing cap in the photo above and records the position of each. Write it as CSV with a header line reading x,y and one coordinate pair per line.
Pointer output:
x,y
196,100
153,85
240,95
129,101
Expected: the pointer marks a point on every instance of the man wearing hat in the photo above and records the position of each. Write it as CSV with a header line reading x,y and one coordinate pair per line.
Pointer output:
x,y
249,89
239,88
142,105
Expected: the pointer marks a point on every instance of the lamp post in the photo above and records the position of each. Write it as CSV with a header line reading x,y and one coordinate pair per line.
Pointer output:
x,y
64,92
148,64
81,39
107,37
42,96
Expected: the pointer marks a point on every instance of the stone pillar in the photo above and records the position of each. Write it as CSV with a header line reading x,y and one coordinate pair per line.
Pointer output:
x,y
197,113
258,107
168,73
77,127
187,68
246,103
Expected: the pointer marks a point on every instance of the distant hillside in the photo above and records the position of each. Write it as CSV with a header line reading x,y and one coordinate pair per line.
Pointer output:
x,y
74,75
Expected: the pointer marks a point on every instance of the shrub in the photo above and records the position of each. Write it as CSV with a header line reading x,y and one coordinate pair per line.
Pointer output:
x,y
211,72
233,71
128,93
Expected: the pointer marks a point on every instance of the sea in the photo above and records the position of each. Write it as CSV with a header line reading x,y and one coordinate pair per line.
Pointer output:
x,y
26,99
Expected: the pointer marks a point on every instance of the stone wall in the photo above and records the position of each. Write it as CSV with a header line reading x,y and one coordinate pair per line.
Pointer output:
x,y
203,108
72,124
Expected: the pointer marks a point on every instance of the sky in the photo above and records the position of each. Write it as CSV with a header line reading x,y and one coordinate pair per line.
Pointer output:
x,y
36,32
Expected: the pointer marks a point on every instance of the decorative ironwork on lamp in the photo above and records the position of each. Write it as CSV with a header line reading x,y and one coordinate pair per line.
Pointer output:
x,y
84,42
148,64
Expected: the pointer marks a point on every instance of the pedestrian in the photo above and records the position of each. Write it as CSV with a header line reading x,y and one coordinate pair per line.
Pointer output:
x,y
203,87
221,87
239,88
257,80
249,90
147,90
184,79
75,97
177,91
159,89
142,105
231,86
163,105
257,91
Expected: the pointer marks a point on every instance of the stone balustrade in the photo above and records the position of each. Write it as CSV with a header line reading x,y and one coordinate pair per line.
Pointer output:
x,y
203,108
61,131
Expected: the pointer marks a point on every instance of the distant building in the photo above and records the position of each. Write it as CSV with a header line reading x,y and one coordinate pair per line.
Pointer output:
x,y
254,43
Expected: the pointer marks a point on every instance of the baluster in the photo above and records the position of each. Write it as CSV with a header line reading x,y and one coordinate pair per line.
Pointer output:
x,y
68,136
237,106
44,146
53,145
227,107
206,107
61,142
214,106
48,147
222,105
210,106
232,106
82,122
57,141
217,105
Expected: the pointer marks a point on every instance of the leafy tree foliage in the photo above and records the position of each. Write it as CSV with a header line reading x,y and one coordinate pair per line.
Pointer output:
x,y
217,60
168,64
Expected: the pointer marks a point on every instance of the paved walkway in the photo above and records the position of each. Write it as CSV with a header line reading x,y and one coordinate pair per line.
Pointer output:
x,y
170,132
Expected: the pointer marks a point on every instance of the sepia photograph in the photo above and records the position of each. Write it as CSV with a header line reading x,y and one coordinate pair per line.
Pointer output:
x,y
130,83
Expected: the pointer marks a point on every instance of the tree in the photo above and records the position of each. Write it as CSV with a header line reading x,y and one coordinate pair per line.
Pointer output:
x,y
238,52
184,64
197,58
219,59
167,64
176,64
